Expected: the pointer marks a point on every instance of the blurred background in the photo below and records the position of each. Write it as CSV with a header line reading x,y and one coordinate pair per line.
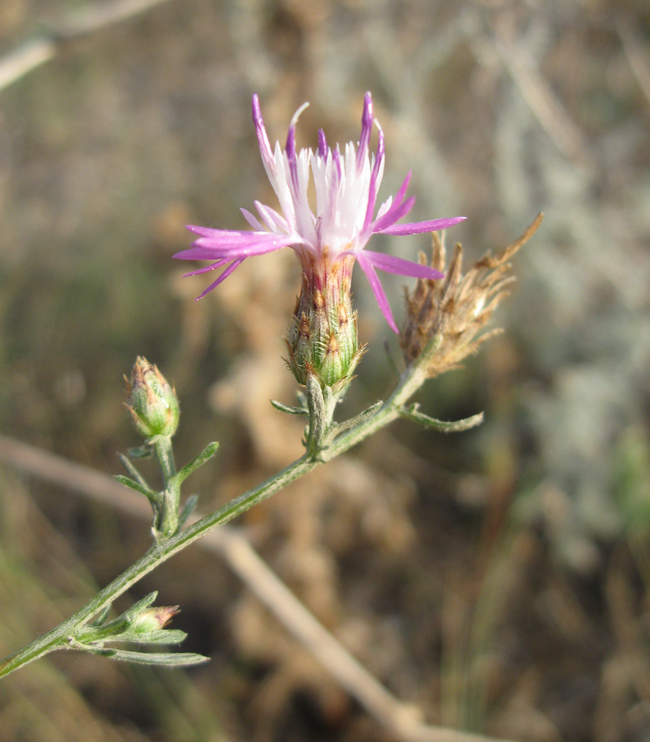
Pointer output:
x,y
497,579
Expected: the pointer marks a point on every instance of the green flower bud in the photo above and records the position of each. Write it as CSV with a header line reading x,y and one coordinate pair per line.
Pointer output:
x,y
153,619
151,401
322,338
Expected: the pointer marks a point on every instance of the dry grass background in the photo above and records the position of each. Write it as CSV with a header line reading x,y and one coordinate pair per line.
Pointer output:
x,y
499,579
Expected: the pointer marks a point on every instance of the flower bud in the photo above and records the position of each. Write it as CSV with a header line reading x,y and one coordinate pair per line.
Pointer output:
x,y
153,619
322,338
151,401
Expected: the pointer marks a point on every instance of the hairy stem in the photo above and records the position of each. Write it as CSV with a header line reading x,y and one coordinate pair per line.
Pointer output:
x,y
64,635
172,493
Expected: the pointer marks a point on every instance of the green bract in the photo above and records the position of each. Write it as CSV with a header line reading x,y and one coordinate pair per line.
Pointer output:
x,y
322,338
151,401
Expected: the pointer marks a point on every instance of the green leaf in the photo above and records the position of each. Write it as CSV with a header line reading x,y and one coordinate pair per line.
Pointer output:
x,y
302,399
168,659
118,626
208,452
152,496
130,467
318,422
101,616
142,604
289,410
456,426
108,652
140,452
162,636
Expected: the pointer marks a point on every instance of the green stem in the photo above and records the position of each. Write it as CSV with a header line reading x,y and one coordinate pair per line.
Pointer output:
x,y
167,520
409,382
165,456
64,635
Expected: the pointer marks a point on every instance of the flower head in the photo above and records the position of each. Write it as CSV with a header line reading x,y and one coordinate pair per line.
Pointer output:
x,y
346,183
454,311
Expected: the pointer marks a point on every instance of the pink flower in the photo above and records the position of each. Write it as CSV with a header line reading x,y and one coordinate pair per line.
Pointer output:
x,y
346,185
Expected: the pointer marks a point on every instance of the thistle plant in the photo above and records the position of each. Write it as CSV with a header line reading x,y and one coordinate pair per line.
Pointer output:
x,y
445,315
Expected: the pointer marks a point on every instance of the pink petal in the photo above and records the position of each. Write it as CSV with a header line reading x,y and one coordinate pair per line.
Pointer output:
x,y
252,220
215,251
290,148
235,264
255,240
203,231
322,144
378,290
372,189
419,227
401,267
366,128
207,233
399,196
271,218
395,212
262,136
207,268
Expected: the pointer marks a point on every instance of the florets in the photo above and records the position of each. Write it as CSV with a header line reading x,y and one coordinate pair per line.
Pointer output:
x,y
328,236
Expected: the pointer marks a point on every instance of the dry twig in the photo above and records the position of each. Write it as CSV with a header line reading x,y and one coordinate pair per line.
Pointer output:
x,y
35,52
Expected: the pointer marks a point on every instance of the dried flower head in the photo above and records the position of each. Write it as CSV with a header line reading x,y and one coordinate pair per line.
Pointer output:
x,y
456,309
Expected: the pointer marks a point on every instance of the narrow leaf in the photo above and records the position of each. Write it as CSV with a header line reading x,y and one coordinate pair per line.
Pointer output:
x,y
302,399
130,467
162,636
140,606
101,616
141,452
289,410
208,452
144,490
171,659
317,420
456,426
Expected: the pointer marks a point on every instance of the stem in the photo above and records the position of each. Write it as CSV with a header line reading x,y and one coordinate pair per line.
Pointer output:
x,y
409,382
63,636
167,518
165,456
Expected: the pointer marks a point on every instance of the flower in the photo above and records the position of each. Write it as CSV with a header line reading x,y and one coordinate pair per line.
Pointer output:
x,y
346,185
